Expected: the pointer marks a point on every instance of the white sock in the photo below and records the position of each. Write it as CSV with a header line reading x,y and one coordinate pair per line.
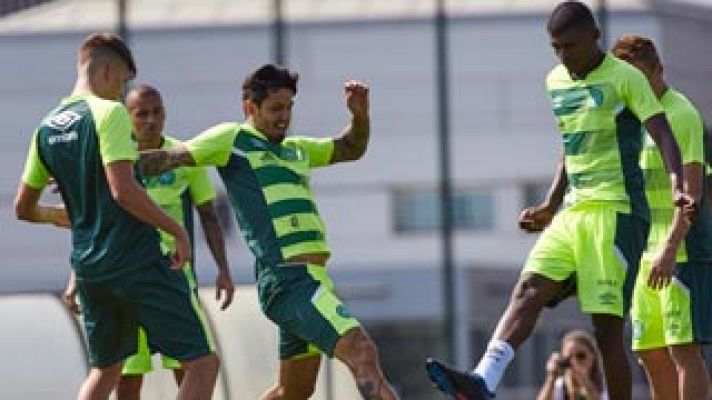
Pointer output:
x,y
494,362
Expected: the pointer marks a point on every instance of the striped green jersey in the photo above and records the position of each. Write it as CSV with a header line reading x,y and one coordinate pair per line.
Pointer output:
x,y
268,187
686,125
599,120
176,191
73,144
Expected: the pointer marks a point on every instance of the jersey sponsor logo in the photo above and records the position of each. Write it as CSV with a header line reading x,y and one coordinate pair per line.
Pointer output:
x,y
569,101
62,121
63,138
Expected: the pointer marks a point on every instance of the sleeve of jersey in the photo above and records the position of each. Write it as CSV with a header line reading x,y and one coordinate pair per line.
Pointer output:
x,y
35,174
213,146
639,95
689,135
319,150
114,131
201,190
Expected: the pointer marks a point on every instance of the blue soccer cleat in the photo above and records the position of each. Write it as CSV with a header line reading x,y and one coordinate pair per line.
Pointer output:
x,y
459,385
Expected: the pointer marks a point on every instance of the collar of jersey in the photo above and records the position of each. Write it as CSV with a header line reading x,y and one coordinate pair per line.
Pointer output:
x,y
77,96
254,131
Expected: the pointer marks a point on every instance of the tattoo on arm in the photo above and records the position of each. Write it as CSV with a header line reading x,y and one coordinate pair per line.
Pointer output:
x,y
155,162
353,142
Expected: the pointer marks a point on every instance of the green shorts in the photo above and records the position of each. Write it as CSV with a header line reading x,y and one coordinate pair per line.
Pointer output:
x,y
300,299
153,297
598,245
681,313
141,362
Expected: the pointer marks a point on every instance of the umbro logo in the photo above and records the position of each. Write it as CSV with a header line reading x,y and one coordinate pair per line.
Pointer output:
x,y
63,121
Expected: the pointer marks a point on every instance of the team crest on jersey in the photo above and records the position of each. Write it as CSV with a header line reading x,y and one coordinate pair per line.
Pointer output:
x,y
62,121
290,154
165,179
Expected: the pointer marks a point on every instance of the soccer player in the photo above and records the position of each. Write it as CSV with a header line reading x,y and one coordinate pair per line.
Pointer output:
x,y
267,178
673,319
597,240
123,278
176,192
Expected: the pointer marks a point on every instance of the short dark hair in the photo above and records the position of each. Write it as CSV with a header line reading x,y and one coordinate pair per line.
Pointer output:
x,y
636,48
144,90
268,78
570,14
102,44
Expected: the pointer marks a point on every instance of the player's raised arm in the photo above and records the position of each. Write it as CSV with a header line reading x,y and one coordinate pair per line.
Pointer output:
x,y
352,143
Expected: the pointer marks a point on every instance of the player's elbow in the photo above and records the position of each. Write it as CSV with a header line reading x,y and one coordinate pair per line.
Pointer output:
x,y
355,151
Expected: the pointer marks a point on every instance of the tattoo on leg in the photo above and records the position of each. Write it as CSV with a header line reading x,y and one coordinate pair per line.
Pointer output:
x,y
369,390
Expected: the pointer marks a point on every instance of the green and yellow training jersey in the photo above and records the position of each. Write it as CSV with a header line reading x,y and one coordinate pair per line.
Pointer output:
x,y
268,186
176,191
686,125
599,118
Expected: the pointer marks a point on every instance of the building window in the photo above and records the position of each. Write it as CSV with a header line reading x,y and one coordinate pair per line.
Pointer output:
x,y
418,210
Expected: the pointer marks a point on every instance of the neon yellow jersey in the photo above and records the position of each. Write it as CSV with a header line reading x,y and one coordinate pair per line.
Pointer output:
x,y
176,191
268,186
599,119
686,125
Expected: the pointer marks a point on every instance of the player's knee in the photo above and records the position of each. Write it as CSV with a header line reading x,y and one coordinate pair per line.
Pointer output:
x,y
300,391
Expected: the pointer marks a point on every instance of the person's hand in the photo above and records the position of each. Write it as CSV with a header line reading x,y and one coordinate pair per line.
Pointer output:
x,y
662,268
182,252
357,98
555,364
224,285
687,203
69,297
535,219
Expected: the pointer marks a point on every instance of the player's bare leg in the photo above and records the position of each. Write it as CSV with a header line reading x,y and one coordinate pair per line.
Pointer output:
x,y
199,380
661,373
296,381
129,387
359,353
693,377
100,382
609,332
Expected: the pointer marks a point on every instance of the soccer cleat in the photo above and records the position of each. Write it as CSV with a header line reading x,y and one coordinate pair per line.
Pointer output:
x,y
459,385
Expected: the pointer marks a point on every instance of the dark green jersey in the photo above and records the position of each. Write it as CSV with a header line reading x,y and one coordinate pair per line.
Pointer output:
x,y
72,145
268,185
